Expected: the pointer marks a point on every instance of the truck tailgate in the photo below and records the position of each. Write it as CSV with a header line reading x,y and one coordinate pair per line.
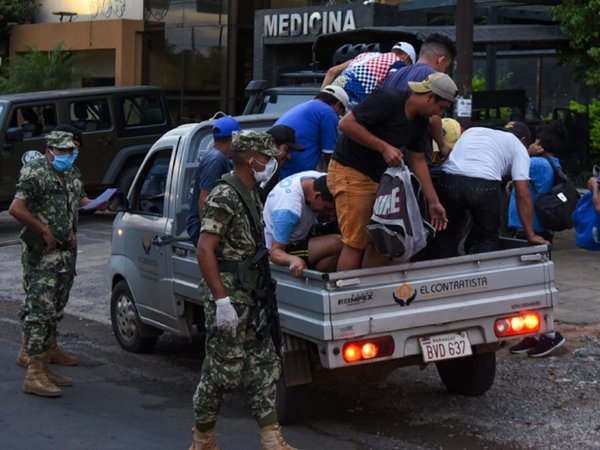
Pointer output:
x,y
345,305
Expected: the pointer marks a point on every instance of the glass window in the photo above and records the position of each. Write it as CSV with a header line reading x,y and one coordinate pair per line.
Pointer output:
x,y
90,115
149,192
143,110
34,120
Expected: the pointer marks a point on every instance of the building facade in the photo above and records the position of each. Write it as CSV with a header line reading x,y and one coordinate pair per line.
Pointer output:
x,y
204,52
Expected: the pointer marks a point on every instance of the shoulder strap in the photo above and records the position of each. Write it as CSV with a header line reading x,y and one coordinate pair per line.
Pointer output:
x,y
559,175
249,205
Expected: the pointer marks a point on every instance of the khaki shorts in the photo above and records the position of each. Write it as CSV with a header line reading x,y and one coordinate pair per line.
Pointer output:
x,y
354,195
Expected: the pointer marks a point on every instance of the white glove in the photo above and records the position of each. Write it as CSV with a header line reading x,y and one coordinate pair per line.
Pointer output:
x,y
227,318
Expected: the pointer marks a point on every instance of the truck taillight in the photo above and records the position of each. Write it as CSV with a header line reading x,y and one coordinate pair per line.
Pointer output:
x,y
373,348
523,323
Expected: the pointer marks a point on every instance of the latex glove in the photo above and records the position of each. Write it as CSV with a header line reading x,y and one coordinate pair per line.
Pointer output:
x,y
227,318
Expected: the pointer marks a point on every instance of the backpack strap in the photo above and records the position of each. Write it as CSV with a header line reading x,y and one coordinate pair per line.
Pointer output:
x,y
559,175
249,205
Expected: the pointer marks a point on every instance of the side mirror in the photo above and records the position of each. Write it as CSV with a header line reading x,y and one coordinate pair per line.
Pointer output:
x,y
118,202
14,134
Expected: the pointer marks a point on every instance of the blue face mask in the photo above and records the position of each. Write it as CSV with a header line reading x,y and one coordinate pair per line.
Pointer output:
x,y
62,163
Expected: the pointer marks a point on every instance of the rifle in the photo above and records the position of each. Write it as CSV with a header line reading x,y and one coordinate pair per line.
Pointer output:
x,y
263,287
266,320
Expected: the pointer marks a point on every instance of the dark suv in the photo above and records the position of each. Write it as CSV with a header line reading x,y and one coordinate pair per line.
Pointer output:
x,y
118,126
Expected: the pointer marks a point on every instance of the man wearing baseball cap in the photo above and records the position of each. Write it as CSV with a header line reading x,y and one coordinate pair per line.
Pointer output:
x,y
373,134
214,163
238,350
315,124
470,181
284,139
436,55
47,200
363,74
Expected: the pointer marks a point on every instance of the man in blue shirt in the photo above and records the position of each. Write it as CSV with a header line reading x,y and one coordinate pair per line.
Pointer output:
x,y
550,139
315,123
215,163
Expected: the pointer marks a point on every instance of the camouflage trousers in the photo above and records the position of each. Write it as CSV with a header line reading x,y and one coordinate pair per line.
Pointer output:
x,y
230,361
46,295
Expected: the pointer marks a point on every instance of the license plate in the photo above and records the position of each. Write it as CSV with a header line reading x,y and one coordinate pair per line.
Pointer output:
x,y
445,346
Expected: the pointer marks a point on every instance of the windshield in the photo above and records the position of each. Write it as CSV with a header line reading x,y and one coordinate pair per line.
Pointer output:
x,y
2,109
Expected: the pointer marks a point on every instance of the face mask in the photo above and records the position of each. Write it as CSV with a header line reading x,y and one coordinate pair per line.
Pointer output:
x,y
62,163
267,172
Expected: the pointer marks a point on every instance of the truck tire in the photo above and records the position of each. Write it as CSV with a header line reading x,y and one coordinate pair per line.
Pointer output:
x,y
126,179
471,375
126,322
290,402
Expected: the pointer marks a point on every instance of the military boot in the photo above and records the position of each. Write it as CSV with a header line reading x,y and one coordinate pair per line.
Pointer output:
x,y
23,357
57,356
272,439
56,378
204,441
36,380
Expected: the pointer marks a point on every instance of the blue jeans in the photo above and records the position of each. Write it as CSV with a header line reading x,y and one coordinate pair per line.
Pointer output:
x,y
459,194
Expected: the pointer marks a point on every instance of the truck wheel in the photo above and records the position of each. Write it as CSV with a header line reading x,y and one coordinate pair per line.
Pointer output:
x,y
290,402
472,375
126,178
126,323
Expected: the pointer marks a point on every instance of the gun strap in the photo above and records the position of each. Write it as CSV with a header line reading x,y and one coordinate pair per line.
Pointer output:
x,y
252,211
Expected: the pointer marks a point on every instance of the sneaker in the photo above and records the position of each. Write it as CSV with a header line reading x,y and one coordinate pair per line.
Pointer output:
x,y
526,344
546,345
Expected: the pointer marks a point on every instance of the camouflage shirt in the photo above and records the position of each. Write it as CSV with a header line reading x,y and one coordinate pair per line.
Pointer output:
x,y
55,202
224,214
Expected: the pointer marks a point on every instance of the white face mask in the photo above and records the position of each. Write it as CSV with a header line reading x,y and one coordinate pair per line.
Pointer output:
x,y
267,172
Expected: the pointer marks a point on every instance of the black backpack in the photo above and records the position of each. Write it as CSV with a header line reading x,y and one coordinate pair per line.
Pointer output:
x,y
554,208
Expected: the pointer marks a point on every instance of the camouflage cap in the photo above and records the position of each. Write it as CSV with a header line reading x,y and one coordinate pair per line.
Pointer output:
x,y
60,139
253,141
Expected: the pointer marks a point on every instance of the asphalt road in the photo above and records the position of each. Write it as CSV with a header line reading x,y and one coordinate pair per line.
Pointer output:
x,y
122,400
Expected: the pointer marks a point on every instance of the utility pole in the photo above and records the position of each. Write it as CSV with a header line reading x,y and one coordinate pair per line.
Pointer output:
x,y
464,60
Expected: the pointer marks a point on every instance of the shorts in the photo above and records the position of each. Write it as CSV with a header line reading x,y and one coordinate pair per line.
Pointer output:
x,y
299,249
354,195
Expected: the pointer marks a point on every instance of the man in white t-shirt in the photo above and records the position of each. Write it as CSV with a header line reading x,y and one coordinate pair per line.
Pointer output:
x,y
291,210
471,179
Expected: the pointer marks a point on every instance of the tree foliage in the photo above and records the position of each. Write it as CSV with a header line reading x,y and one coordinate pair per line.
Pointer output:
x,y
40,71
579,21
12,11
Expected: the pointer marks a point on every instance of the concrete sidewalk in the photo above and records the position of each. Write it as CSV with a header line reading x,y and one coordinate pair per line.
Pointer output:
x,y
577,274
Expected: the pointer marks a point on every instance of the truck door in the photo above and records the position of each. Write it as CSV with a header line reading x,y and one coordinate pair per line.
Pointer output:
x,y
25,126
147,220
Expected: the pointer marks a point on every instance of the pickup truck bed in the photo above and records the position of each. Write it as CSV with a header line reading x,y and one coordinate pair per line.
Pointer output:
x,y
408,301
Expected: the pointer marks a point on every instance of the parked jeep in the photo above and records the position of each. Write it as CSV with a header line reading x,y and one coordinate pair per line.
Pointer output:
x,y
118,126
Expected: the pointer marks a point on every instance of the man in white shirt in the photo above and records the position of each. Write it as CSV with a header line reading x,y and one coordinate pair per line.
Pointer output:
x,y
471,180
291,210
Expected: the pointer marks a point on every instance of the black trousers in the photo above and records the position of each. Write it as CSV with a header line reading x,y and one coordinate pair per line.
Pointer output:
x,y
482,198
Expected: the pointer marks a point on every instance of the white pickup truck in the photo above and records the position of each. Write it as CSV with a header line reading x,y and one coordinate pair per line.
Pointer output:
x,y
451,312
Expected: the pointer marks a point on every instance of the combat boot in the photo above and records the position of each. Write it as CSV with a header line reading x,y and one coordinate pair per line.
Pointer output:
x,y
23,357
57,356
56,378
204,441
272,439
36,380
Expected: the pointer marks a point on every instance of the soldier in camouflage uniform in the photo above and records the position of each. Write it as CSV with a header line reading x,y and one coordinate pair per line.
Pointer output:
x,y
234,352
49,194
